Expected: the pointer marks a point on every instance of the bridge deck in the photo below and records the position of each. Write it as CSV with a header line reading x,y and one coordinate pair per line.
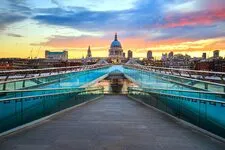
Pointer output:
x,y
112,123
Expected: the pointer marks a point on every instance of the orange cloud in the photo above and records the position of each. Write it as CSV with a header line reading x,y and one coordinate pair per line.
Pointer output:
x,y
173,41
193,19
70,42
138,45
81,42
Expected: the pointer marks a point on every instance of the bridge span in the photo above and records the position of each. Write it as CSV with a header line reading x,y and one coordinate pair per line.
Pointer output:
x,y
38,109
111,123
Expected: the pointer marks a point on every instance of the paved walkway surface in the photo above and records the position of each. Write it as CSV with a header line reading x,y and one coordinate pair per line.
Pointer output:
x,y
113,123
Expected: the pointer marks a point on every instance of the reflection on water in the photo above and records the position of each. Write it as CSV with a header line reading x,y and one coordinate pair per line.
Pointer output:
x,y
115,86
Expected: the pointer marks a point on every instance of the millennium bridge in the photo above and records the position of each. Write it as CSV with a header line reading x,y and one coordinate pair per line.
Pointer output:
x,y
63,108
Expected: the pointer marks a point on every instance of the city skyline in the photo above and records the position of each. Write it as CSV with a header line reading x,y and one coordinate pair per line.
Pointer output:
x,y
28,28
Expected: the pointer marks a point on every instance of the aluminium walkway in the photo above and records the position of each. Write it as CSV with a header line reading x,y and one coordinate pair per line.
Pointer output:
x,y
112,123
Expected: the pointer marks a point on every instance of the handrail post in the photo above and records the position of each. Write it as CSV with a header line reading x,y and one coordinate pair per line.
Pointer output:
x,y
4,85
24,80
206,86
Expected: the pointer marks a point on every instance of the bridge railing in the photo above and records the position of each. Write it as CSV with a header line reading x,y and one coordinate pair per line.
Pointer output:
x,y
200,74
184,81
205,110
17,111
34,92
36,77
47,71
219,96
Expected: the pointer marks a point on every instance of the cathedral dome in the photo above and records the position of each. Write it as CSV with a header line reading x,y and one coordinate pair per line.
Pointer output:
x,y
116,43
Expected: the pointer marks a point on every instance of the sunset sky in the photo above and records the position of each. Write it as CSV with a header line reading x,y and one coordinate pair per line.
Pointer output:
x,y
29,27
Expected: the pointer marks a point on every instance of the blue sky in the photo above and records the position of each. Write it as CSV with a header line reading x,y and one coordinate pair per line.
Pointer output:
x,y
160,25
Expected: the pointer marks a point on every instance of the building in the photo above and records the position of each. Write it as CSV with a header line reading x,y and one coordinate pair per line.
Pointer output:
x,y
216,53
89,52
205,65
38,63
130,54
6,63
219,65
149,54
88,60
203,55
164,57
57,55
116,51
211,64
124,55
170,56
177,61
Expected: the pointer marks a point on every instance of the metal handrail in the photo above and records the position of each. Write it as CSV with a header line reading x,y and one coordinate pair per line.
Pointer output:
x,y
185,97
33,90
26,97
207,82
46,69
29,78
37,77
185,70
180,90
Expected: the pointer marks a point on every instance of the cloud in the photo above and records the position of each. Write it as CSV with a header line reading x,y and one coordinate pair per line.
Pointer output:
x,y
94,41
79,18
101,5
138,45
9,18
107,22
14,35
72,42
146,13
211,5
192,32
142,14
14,11
146,22
56,2
201,18
186,45
19,7
182,6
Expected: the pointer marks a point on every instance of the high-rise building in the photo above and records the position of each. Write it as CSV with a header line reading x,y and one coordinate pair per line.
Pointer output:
x,y
56,55
170,55
216,53
149,54
164,57
89,52
203,55
130,54
124,54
